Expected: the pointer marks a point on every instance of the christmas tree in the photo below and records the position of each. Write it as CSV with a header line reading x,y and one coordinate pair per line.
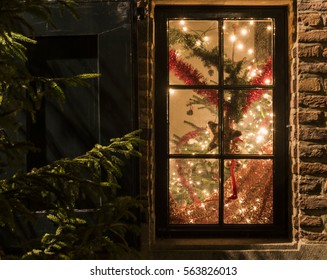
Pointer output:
x,y
241,125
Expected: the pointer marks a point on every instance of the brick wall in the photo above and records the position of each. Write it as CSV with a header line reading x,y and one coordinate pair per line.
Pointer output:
x,y
145,99
309,117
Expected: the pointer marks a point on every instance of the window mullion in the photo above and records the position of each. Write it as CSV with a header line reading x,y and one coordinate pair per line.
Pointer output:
x,y
221,118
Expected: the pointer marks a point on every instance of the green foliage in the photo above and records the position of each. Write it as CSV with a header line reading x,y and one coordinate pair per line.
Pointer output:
x,y
102,237
56,187
55,192
194,43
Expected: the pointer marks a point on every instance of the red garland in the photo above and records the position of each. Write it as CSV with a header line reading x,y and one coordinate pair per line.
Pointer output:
x,y
191,76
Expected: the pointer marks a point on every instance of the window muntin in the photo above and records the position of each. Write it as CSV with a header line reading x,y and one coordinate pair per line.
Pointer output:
x,y
221,157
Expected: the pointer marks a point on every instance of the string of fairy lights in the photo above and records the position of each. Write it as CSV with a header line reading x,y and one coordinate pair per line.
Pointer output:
x,y
194,183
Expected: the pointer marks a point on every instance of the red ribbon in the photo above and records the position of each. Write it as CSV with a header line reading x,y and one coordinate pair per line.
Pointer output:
x,y
232,173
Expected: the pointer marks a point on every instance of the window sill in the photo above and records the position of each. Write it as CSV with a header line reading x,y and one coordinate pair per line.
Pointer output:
x,y
166,244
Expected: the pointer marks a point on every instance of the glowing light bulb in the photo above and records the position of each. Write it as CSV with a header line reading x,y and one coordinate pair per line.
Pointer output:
x,y
250,51
233,38
185,28
269,27
244,31
171,91
206,38
198,43
259,139
251,22
182,22
240,46
263,130
267,81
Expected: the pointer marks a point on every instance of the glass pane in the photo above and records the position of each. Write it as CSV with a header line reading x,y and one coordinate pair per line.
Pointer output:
x,y
193,191
193,52
248,191
248,51
248,122
193,124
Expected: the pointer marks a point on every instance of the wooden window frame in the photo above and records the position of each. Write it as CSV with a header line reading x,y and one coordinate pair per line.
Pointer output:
x,y
279,228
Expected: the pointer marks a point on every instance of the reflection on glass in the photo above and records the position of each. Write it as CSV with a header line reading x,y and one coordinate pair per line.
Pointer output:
x,y
248,191
193,191
248,122
193,127
248,51
193,52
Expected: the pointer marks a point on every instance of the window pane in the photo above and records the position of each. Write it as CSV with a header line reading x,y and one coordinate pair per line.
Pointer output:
x,y
248,123
193,191
248,51
193,123
193,52
248,191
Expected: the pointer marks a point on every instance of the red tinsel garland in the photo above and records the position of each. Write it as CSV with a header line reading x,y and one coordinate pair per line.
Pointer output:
x,y
185,182
191,76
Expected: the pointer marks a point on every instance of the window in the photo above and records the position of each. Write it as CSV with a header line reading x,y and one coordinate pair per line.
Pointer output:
x,y
221,121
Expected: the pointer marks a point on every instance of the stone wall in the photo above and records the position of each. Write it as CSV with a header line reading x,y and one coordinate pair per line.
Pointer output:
x,y
310,114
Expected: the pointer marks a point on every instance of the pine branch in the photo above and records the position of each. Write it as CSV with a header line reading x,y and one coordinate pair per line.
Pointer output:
x,y
194,43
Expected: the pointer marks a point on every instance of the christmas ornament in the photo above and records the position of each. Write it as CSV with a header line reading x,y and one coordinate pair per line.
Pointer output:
x,y
214,130
190,110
